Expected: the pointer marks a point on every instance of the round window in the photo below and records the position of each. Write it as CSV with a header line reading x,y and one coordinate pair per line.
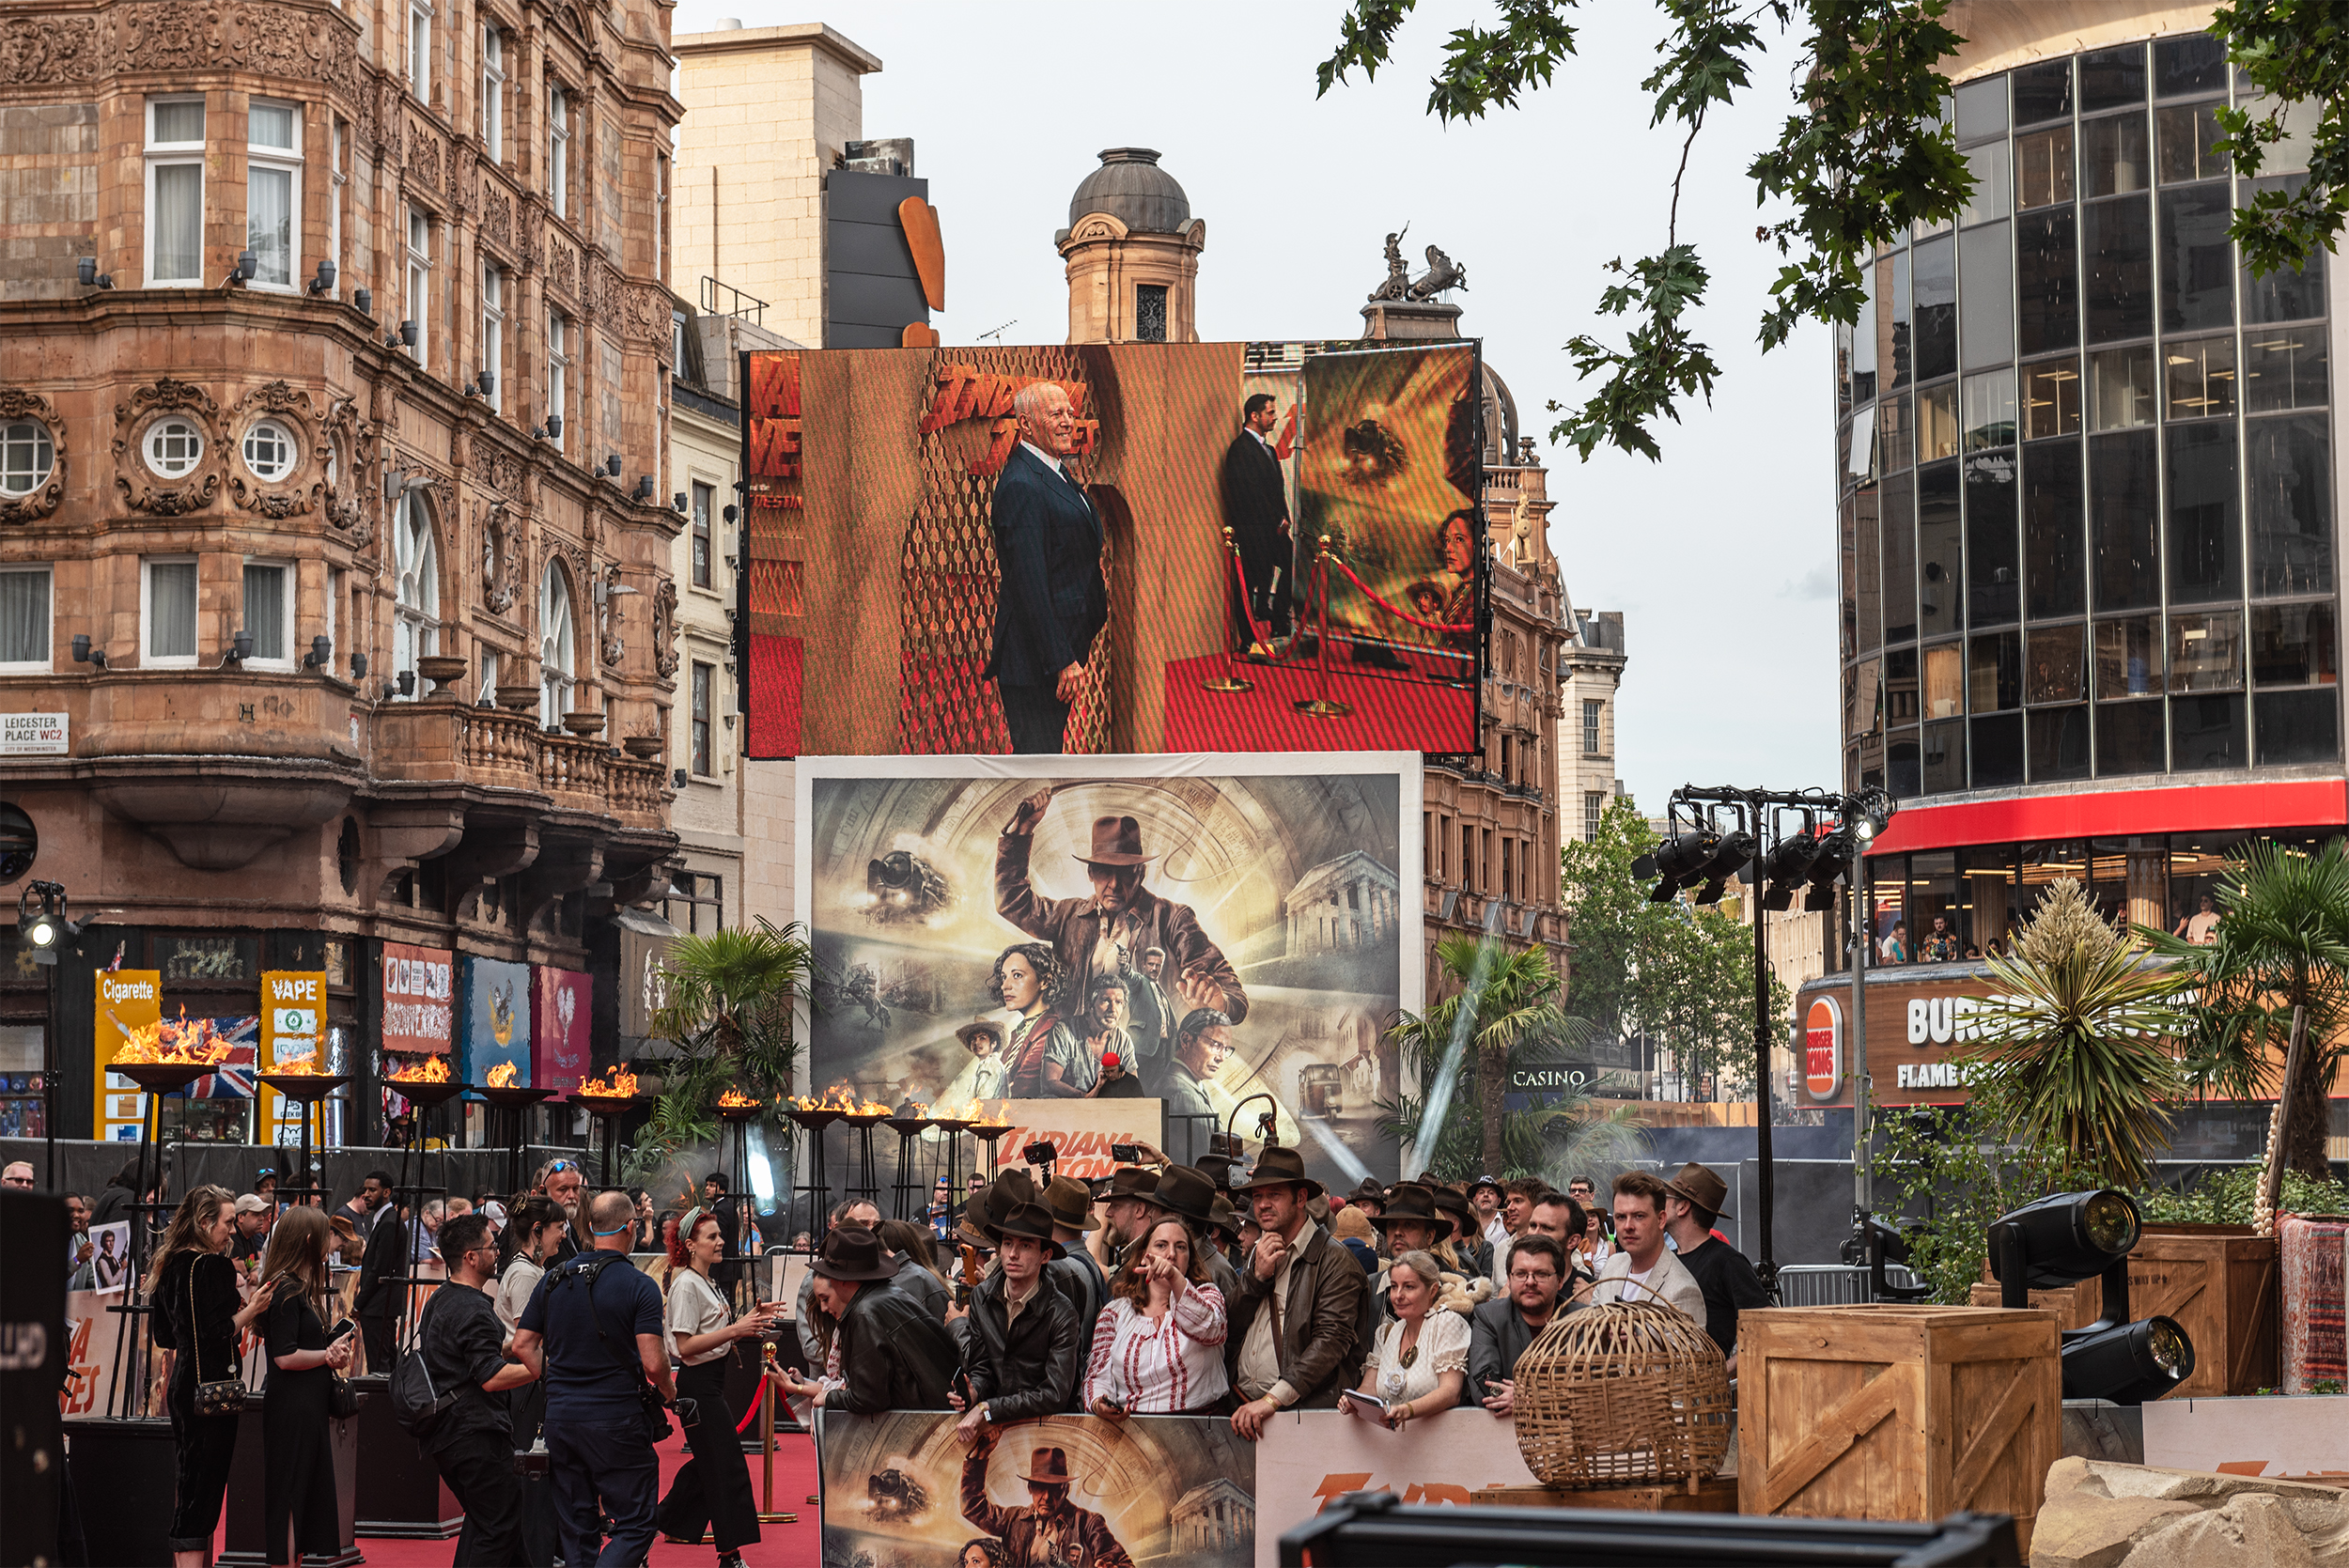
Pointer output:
x,y
173,447
269,450
26,456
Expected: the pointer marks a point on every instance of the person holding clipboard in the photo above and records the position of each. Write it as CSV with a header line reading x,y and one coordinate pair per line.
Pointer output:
x,y
1419,1362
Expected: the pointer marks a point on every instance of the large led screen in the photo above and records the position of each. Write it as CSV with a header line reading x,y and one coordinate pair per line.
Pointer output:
x,y
1113,548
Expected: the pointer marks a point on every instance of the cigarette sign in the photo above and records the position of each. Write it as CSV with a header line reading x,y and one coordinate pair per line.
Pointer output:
x,y
128,1001
293,1014
32,734
1823,1048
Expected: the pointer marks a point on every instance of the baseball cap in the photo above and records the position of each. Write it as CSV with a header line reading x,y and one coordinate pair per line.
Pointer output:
x,y
254,1203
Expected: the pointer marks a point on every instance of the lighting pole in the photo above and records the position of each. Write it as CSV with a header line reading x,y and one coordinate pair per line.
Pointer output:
x,y
44,931
1862,940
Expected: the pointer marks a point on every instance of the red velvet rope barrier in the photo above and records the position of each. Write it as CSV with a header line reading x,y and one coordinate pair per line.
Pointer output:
x,y
1240,573
766,1390
1401,614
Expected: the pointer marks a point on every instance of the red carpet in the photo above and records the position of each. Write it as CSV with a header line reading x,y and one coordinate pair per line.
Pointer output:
x,y
1389,714
780,1546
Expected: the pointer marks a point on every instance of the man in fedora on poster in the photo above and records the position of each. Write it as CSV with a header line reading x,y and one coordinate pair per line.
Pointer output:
x,y
1052,602
894,1355
1094,935
1048,1529
1693,1201
1297,1318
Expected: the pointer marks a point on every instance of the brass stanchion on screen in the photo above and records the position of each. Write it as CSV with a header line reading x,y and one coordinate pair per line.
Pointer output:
x,y
767,1514
1229,681
1321,705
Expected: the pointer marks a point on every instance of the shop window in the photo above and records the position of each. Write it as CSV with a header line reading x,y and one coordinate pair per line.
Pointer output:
x,y
2043,168
2205,733
2291,495
2196,259
1994,672
2298,726
2047,294
2111,77
1996,746
2054,537
1942,755
2058,667
1900,561
2294,645
1993,563
2128,657
2206,651
2051,399
2129,737
2205,560
2124,512
1985,267
2284,367
1939,550
2117,244
1935,331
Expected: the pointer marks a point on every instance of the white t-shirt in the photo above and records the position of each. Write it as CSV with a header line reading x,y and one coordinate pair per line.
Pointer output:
x,y
514,1287
695,1308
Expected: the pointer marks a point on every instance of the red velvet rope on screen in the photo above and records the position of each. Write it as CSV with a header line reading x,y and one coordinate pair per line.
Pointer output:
x,y
766,1391
1256,636
1400,614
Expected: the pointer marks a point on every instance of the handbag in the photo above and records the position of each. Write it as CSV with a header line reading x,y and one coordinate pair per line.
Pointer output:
x,y
340,1400
224,1396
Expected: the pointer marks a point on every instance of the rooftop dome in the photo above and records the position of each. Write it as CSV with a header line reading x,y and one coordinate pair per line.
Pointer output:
x,y
1130,187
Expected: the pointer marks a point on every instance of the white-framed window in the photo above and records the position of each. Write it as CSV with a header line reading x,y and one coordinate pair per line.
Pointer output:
x,y
704,763
24,619
26,457
175,192
558,368
173,447
416,610
420,50
493,332
704,545
167,612
420,279
268,613
488,696
273,193
556,654
268,451
493,92
559,150
338,151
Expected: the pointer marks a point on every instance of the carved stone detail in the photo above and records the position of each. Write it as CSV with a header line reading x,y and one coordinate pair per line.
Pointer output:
x,y
301,488
49,50
347,505
560,265
614,646
501,557
16,403
424,154
134,478
665,628
497,218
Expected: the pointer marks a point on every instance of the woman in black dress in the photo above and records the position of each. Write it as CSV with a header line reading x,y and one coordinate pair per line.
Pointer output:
x,y
197,1314
298,1512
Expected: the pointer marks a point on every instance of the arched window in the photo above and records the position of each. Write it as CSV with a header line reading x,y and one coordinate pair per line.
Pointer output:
x,y
556,669
416,617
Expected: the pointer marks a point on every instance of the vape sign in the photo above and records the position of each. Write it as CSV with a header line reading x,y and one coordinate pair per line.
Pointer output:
x,y
1823,1048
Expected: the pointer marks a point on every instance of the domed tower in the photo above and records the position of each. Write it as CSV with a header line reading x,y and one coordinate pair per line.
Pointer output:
x,y
1132,249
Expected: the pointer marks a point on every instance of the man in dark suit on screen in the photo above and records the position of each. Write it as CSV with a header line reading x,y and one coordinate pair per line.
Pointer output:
x,y
1256,509
1048,546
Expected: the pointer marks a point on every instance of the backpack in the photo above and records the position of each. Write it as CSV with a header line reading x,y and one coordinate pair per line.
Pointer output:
x,y
416,1405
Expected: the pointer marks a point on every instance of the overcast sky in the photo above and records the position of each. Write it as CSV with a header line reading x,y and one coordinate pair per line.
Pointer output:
x,y
1722,556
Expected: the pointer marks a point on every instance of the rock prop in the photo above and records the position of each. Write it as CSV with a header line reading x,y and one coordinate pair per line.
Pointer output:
x,y
2101,1515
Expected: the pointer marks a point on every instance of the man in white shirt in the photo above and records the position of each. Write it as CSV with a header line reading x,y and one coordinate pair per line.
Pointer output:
x,y
1642,1269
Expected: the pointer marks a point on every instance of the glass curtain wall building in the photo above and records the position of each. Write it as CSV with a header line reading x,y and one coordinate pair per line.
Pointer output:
x,y
2085,473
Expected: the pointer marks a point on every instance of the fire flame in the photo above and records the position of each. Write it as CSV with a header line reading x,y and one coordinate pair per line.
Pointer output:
x,y
843,1098
502,1076
620,1082
979,1117
971,1112
306,1067
187,1043
735,1099
431,1069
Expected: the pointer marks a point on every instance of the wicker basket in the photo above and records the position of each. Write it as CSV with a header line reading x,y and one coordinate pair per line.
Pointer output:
x,y
1622,1396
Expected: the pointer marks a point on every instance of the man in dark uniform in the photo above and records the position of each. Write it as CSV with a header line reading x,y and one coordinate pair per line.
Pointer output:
x,y
1049,1528
1052,602
1256,509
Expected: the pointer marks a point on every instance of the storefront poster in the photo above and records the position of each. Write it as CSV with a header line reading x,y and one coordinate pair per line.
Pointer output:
x,y
1311,1458
1082,1132
644,943
898,1489
293,1035
496,1017
418,999
128,1001
559,1019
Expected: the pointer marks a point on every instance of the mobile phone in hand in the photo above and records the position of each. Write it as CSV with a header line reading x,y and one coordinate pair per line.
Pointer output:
x,y
342,1329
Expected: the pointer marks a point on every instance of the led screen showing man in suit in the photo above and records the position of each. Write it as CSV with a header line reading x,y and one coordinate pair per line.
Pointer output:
x,y
1047,546
1256,510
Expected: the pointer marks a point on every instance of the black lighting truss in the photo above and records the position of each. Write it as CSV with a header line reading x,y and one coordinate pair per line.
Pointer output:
x,y
1779,842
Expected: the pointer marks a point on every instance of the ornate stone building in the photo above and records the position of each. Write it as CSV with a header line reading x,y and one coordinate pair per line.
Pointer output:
x,y
344,452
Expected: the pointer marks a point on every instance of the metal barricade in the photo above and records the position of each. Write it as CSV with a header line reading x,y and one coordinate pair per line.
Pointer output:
x,y
1833,1284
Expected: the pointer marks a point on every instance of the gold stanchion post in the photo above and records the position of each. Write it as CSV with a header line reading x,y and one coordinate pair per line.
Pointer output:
x,y
1321,705
1229,681
767,1514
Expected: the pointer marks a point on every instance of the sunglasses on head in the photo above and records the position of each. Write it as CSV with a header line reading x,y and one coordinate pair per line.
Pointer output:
x,y
559,1166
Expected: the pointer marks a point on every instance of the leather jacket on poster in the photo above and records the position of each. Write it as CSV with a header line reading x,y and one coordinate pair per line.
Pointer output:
x,y
894,1355
1027,1367
1075,927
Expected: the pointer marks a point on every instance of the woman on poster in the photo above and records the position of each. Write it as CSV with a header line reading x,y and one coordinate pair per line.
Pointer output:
x,y
299,1510
196,1314
713,1486
1158,1347
1419,1362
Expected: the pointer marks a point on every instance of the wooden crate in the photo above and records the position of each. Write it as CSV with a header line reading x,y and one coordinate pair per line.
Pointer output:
x,y
1897,1412
1713,1495
2075,1305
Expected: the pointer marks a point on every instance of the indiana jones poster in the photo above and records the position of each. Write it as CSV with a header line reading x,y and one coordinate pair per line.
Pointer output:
x,y
1234,928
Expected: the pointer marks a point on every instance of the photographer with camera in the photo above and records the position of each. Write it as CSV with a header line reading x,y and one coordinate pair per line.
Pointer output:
x,y
593,1332
713,1487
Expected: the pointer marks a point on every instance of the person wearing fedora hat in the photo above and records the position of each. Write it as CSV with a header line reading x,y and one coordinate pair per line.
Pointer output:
x,y
1093,936
1048,1529
1079,1274
1369,1197
982,1077
891,1353
1157,1348
1693,1201
815,1326
1296,1335
1021,1350
1188,1194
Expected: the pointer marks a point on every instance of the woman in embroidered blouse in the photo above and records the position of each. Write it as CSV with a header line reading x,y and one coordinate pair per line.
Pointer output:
x,y
1157,1348
1419,1361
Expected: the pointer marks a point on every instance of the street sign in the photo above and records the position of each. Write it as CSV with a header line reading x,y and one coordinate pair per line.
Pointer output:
x,y
32,734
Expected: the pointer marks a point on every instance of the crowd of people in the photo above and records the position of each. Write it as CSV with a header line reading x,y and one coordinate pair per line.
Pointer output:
x,y
1164,1289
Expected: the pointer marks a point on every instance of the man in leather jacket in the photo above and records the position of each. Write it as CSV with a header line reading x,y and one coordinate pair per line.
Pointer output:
x,y
1021,1350
894,1355
1296,1323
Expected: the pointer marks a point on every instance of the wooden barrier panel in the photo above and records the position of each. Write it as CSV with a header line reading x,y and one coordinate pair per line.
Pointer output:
x,y
1897,1412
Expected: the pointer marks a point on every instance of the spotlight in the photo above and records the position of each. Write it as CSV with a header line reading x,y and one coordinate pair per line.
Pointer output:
x,y
612,464
727,512
644,488
2067,1237
365,299
407,335
677,778
677,502
248,266
487,382
555,425
1679,859
45,929
357,667
1730,855
86,271
2128,1364
1789,867
324,282
85,654
321,654
406,683
1833,861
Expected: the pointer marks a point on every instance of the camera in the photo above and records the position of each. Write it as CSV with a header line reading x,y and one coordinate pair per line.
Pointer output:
x,y
689,1412
1040,1154
1125,1154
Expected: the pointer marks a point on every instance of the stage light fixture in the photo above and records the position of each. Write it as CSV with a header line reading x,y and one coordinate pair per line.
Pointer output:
x,y
2128,1363
1730,855
1789,867
1678,859
2069,1237
47,929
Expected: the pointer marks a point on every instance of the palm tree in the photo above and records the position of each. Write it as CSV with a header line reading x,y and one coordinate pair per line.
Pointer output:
x,y
2282,942
2077,1042
1506,1013
728,1006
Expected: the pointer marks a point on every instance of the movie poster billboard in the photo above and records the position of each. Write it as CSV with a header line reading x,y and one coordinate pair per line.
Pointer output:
x,y
985,550
900,1490
560,1017
991,928
496,1019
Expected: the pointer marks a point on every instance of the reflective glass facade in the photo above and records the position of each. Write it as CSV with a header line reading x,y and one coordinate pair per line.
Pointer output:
x,y
2085,459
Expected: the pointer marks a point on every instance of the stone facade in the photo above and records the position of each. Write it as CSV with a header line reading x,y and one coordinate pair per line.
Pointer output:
x,y
260,455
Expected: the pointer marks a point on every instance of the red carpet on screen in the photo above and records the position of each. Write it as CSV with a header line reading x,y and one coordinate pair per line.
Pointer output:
x,y
1390,714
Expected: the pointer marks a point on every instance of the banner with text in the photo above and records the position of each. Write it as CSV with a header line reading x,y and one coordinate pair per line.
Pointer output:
x,y
293,1037
1310,1458
127,1002
1082,1132
419,998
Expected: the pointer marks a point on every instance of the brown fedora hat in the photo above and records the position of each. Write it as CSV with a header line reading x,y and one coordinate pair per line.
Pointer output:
x,y
1116,841
1032,1220
1451,1202
853,1252
1412,1205
1133,1181
1049,1467
1187,1194
1702,1187
972,1228
1070,1203
1224,1217
1369,1191
982,1025
1278,1166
